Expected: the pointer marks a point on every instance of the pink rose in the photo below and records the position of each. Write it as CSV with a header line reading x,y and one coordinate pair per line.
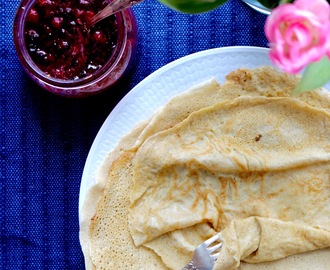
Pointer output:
x,y
299,33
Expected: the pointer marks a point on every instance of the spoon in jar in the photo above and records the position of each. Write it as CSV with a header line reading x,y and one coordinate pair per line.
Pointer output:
x,y
112,8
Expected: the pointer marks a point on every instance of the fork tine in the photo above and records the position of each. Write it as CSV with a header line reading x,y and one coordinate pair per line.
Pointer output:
x,y
214,248
203,257
211,240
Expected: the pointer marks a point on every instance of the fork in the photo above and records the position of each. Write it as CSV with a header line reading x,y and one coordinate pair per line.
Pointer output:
x,y
204,256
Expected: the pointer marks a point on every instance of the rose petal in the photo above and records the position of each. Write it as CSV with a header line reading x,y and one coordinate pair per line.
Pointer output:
x,y
320,8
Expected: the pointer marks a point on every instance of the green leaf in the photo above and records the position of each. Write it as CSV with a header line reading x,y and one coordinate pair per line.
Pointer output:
x,y
193,6
315,75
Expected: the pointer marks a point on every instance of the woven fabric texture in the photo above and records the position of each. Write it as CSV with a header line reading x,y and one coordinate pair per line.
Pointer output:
x,y
45,139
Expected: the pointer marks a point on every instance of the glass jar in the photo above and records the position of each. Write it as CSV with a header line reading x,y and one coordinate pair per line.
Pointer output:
x,y
111,71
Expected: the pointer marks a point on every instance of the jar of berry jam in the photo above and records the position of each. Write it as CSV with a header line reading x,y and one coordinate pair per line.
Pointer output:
x,y
64,56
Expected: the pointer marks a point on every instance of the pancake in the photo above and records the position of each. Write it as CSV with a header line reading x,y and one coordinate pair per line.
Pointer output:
x,y
99,208
104,233
265,81
184,172
257,239
231,162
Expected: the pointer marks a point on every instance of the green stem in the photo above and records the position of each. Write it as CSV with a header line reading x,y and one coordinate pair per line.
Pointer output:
x,y
284,2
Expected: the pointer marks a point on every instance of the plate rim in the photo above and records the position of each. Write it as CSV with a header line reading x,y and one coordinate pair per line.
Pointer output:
x,y
137,87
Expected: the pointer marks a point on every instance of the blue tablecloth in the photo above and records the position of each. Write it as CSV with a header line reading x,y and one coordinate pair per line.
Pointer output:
x,y
45,139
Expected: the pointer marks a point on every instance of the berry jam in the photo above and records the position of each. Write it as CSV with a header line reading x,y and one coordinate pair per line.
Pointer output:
x,y
59,42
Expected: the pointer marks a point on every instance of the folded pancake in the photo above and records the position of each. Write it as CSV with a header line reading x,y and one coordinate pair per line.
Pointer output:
x,y
104,234
265,81
257,239
102,211
254,156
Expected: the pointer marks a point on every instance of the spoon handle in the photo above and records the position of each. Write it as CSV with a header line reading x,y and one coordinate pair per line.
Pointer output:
x,y
112,8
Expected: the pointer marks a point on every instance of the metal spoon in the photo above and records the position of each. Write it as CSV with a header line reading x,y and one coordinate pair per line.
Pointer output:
x,y
112,8
257,6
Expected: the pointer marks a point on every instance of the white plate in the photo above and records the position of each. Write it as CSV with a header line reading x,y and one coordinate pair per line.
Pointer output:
x,y
155,90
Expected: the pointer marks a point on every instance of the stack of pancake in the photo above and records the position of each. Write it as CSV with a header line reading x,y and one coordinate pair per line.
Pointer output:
x,y
243,159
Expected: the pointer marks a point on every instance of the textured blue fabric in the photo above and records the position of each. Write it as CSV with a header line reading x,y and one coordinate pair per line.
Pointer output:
x,y
45,139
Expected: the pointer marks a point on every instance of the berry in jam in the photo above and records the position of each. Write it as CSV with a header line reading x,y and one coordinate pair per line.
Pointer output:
x,y
59,42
